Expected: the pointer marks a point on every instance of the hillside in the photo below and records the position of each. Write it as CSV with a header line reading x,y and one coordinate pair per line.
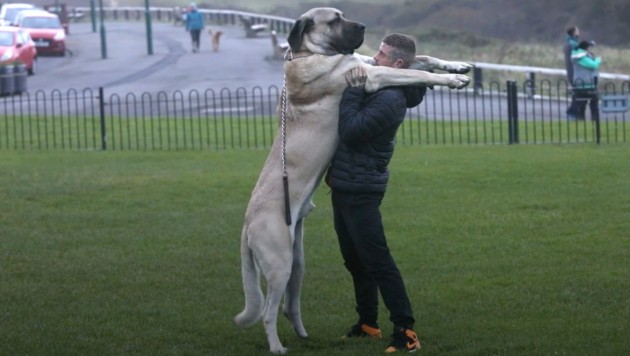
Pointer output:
x,y
605,21
533,21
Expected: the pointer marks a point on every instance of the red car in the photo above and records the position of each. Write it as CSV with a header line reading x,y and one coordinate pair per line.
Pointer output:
x,y
45,30
16,46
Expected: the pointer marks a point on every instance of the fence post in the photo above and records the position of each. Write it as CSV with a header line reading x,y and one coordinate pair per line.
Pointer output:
x,y
531,85
477,80
512,112
597,128
101,108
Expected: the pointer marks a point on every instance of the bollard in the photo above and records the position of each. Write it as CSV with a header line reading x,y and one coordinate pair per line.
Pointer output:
x,y
7,80
19,77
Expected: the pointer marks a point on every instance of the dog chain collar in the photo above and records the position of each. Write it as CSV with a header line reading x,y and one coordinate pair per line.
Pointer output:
x,y
283,132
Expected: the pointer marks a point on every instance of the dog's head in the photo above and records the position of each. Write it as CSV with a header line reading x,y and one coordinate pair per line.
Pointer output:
x,y
325,30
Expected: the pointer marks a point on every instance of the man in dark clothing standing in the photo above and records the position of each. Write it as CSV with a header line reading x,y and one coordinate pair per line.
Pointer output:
x,y
570,44
358,176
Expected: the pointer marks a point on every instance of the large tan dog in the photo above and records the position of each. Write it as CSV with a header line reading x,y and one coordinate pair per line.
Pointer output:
x,y
322,45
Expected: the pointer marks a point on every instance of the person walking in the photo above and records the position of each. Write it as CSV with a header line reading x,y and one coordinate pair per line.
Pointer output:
x,y
585,76
571,42
194,25
358,177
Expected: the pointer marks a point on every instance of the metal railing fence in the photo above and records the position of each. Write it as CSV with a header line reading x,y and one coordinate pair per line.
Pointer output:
x,y
246,119
173,15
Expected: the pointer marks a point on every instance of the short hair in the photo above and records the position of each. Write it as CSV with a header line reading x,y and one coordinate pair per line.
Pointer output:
x,y
404,47
586,44
571,31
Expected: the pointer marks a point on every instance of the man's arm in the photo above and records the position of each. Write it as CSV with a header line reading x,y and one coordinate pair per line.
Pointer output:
x,y
590,63
360,120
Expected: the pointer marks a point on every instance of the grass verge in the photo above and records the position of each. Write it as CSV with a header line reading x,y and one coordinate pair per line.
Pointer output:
x,y
504,250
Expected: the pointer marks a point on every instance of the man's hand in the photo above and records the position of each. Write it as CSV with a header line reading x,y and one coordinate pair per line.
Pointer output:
x,y
356,77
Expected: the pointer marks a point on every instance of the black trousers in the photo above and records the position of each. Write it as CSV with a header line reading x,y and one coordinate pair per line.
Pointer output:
x,y
195,36
578,105
359,228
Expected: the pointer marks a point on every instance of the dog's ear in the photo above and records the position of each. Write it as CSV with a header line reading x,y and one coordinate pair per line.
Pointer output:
x,y
300,27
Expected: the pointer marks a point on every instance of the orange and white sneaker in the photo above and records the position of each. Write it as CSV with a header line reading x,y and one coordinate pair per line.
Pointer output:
x,y
404,340
363,330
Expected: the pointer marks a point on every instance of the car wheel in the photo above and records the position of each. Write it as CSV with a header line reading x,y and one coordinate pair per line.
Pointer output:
x,y
33,68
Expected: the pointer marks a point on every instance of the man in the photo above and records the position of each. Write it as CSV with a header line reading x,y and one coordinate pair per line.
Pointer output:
x,y
358,177
585,75
571,43
194,24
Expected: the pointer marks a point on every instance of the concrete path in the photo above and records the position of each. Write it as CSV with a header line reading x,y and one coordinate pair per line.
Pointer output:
x,y
128,68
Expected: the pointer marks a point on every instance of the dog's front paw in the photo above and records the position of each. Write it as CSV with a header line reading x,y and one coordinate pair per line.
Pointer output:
x,y
458,67
457,81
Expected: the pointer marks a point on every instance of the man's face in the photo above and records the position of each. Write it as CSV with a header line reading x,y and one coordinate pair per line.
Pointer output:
x,y
384,57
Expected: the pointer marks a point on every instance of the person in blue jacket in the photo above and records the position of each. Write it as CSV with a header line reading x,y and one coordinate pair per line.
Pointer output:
x,y
358,177
585,75
194,25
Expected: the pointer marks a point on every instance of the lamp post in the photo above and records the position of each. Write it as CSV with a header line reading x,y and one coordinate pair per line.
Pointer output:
x,y
58,9
103,39
93,15
147,17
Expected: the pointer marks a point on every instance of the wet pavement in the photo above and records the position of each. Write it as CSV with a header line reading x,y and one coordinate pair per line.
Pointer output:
x,y
128,68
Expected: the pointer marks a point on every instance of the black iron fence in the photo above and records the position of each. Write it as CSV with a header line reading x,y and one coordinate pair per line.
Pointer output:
x,y
93,119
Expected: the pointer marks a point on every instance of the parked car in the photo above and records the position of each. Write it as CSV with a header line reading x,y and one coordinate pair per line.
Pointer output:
x,y
60,11
16,45
45,30
9,11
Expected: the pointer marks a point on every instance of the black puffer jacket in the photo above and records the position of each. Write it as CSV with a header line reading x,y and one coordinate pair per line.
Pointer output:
x,y
367,128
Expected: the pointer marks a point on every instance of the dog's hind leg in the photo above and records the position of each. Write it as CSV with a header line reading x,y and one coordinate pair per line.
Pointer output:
x,y
254,299
291,308
272,249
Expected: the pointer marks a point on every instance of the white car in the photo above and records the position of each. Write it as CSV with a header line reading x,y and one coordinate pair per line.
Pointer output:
x,y
9,11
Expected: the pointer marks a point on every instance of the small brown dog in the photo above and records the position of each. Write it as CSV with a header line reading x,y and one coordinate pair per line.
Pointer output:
x,y
216,39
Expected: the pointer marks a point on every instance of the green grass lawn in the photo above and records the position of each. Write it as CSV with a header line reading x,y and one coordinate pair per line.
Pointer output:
x,y
512,250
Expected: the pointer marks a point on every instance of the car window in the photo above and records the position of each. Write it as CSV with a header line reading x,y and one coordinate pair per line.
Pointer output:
x,y
6,38
12,12
40,22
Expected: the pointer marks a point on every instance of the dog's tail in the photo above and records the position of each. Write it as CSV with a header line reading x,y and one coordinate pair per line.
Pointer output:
x,y
254,299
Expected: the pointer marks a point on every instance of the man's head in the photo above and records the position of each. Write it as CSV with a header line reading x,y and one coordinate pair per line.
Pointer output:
x,y
573,31
396,51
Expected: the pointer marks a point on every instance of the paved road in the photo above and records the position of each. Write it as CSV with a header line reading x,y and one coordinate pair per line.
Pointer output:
x,y
240,62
